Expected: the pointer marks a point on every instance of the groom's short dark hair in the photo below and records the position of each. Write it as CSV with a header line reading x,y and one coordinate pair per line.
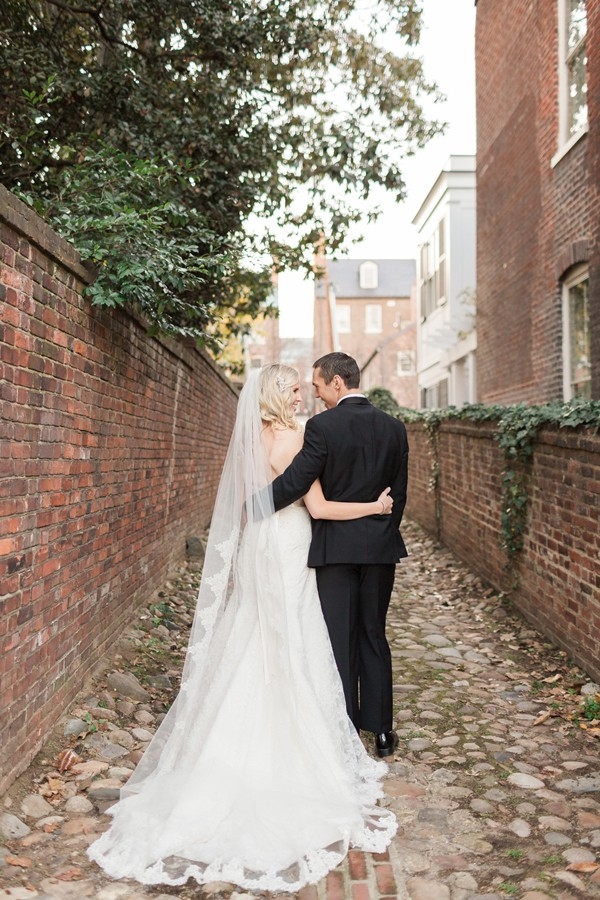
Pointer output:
x,y
339,364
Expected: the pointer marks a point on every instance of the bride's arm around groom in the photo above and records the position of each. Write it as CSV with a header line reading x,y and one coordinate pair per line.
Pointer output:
x,y
355,450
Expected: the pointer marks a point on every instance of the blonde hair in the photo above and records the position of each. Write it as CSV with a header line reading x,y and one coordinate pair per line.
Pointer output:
x,y
275,395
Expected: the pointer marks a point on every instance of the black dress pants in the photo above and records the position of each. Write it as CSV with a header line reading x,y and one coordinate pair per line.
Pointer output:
x,y
355,600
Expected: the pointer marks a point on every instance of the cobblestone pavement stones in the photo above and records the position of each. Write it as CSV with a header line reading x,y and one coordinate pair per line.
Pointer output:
x,y
496,783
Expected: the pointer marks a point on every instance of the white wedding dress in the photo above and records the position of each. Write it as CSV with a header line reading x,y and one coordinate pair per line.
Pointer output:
x,y
262,780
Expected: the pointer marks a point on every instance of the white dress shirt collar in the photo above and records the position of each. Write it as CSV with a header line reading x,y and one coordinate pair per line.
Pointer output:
x,y
346,396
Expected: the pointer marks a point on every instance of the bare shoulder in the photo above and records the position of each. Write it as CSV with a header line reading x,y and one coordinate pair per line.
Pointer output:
x,y
288,438
286,442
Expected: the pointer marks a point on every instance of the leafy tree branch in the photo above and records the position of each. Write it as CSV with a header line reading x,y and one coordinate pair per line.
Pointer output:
x,y
232,111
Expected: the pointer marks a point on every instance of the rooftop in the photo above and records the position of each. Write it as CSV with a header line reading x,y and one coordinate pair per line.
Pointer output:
x,y
396,278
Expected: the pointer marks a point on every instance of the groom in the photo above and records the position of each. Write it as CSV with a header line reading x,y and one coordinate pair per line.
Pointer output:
x,y
356,451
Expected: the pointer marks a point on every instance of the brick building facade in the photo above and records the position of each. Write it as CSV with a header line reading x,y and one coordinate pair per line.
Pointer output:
x,y
538,209
367,308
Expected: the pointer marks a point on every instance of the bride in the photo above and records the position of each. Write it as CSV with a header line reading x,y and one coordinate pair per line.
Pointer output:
x,y
256,776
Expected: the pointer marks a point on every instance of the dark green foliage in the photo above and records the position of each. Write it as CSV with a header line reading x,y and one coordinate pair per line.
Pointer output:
x,y
383,399
150,249
123,121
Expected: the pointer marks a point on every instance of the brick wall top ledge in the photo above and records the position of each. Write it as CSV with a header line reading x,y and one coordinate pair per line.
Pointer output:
x,y
461,426
585,437
26,222
473,429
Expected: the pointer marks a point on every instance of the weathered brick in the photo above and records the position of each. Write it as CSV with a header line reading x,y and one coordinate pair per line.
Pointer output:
x,y
537,216
386,883
357,865
335,885
557,584
89,434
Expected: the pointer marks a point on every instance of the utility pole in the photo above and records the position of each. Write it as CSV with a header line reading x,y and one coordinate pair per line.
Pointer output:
x,y
326,321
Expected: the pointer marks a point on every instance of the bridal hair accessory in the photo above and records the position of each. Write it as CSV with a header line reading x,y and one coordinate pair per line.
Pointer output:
x,y
280,382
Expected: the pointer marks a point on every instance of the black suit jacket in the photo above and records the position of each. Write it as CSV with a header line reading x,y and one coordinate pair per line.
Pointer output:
x,y
356,450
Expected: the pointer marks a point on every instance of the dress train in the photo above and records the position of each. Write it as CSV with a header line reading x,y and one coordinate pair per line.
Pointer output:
x,y
262,780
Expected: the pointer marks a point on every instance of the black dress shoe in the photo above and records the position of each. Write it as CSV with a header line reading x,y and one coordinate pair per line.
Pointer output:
x,y
386,743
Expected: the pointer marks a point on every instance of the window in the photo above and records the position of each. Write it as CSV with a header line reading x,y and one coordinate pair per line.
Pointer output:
x,y
572,30
406,362
435,397
577,370
373,319
368,276
424,266
342,318
441,261
433,271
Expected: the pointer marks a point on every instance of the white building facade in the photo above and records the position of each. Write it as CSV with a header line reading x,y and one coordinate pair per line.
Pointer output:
x,y
446,280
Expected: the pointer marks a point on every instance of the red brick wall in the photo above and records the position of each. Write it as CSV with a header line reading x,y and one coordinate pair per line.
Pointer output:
x,y
421,503
560,569
534,219
557,570
111,448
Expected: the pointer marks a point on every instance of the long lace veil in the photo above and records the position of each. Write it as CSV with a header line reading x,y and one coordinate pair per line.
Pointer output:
x,y
239,567
256,776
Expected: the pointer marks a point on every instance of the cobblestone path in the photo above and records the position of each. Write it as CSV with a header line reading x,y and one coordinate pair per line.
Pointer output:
x,y
496,783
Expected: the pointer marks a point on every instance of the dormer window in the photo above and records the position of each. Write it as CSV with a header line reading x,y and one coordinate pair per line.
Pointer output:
x,y
368,275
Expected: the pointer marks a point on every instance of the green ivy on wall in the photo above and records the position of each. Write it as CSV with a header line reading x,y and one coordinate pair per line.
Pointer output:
x,y
517,428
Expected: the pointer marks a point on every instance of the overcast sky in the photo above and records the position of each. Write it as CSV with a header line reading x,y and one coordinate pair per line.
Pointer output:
x,y
447,47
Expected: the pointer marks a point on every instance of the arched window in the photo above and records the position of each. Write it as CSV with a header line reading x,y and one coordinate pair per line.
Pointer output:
x,y
368,275
577,370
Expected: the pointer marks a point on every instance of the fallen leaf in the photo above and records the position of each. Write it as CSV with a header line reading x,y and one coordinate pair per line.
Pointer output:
x,y
72,874
552,679
583,867
22,861
53,789
543,717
